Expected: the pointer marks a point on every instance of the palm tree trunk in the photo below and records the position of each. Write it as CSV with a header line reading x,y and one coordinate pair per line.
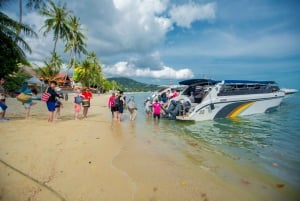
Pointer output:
x,y
20,10
55,43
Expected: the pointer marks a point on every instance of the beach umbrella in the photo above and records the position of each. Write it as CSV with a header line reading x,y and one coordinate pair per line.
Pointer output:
x,y
34,80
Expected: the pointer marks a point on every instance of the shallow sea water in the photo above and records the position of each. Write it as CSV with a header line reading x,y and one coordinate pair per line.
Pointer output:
x,y
266,143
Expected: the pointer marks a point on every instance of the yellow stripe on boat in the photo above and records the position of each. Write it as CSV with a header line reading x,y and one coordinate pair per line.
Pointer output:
x,y
240,109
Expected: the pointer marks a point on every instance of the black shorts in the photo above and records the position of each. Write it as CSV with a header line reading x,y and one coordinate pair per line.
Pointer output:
x,y
113,109
156,115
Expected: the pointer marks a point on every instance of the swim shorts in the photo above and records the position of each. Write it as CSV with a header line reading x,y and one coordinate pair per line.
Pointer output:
x,y
51,106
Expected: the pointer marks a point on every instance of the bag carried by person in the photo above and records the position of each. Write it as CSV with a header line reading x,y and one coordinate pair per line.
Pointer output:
x,y
78,99
117,102
45,97
22,97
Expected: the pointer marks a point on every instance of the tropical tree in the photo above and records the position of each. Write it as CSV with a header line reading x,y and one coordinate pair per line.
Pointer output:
x,y
12,45
75,40
52,67
89,72
56,21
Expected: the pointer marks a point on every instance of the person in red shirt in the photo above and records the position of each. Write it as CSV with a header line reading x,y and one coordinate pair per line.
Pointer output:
x,y
86,102
175,93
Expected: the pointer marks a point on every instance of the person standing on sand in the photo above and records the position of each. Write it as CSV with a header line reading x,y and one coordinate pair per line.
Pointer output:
x,y
3,106
87,95
58,103
27,105
120,102
156,109
51,101
77,104
111,104
132,108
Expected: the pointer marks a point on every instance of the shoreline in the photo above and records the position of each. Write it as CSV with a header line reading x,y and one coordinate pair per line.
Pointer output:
x,y
100,159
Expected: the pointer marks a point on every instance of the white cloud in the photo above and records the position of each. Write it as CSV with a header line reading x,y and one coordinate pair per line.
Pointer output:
x,y
126,69
184,15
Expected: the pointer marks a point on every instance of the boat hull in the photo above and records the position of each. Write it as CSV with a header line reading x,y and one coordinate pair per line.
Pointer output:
x,y
232,107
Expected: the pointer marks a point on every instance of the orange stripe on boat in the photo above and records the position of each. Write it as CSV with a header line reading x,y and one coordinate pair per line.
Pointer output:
x,y
240,109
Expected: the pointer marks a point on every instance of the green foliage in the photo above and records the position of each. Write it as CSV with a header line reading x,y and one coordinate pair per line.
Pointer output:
x,y
131,85
51,68
12,44
89,71
76,40
56,21
15,81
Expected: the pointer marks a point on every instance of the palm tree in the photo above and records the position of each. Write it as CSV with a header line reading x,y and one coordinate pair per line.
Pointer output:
x,y
56,21
82,72
51,68
96,77
36,4
56,62
89,71
75,40
12,45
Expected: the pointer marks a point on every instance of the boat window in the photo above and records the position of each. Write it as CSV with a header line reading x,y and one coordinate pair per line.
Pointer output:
x,y
243,89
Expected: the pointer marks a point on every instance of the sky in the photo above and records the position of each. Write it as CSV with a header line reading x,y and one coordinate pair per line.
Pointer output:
x,y
161,41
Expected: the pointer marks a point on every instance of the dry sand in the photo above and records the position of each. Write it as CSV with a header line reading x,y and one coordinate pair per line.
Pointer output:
x,y
97,159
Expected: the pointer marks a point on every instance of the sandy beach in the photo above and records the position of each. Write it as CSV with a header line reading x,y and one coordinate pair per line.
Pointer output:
x,y
97,159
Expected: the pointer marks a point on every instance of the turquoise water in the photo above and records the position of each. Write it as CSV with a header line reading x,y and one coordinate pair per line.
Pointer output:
x,y
269,142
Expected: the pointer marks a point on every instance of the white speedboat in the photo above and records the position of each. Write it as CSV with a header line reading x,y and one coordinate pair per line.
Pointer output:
x,y
289,91
206,99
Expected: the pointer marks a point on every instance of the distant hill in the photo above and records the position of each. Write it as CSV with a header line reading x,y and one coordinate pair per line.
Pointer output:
x,y
131,85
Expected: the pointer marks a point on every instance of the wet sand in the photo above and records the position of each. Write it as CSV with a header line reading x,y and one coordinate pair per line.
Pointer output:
x,y
98,159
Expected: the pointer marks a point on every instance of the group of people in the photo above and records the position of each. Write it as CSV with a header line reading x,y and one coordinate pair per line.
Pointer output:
x,y
54,103
117,103
82,100
156,108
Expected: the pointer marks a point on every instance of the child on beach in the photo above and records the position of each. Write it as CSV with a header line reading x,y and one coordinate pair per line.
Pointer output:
x,y
77,104
156,109
51,101
27,105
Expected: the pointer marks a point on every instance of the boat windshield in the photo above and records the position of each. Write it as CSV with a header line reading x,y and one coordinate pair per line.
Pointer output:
x,y
197,92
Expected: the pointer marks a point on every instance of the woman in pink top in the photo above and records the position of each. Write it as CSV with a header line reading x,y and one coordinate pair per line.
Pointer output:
x,y
156,109
111,104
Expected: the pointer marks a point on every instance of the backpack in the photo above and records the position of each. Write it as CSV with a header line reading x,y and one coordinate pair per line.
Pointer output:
x,y
78,99
117,102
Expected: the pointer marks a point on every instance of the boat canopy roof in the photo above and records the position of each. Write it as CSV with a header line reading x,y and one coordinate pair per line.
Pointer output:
x,y
248,82
212,82
198,81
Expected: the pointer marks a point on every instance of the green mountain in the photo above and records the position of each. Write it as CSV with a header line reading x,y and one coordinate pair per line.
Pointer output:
x,y
131,85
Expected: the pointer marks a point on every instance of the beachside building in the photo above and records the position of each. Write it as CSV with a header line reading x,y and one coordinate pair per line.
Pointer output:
x,y
63,80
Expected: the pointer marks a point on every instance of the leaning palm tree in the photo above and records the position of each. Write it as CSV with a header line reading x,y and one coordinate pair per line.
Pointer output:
x,y
56,21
